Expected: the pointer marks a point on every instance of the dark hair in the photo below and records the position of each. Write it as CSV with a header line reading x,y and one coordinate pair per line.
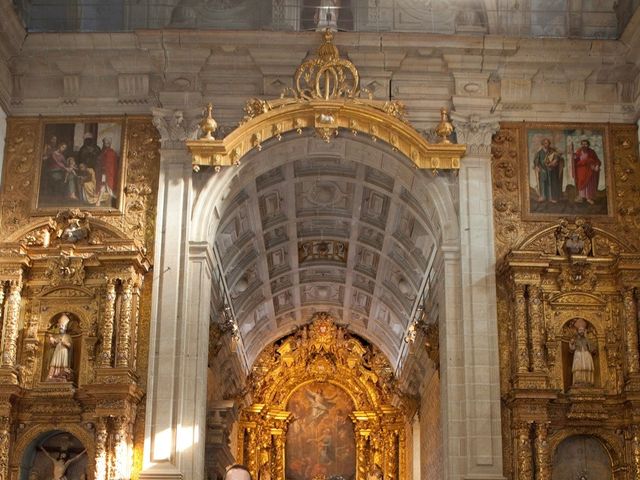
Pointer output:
x,y
237,466
585,140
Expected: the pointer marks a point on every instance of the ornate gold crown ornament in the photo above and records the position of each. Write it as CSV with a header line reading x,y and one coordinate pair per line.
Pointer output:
x,y
327,97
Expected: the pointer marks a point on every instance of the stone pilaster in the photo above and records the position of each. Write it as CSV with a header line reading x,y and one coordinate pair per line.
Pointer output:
x,y
475,125
10,328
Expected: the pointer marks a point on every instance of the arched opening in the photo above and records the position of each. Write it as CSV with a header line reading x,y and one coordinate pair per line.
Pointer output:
x,y
54,454
349,228
581,457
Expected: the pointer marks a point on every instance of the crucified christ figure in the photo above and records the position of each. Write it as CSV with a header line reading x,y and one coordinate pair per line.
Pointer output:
x,y
61,464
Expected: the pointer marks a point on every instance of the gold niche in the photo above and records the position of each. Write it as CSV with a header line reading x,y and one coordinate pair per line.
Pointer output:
x,y
322,352
326,97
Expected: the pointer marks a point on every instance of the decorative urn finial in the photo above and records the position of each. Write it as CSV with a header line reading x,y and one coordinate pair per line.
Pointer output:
x,y
208,125
444,128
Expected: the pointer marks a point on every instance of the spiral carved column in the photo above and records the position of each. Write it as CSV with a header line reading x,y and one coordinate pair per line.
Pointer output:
x,y
5,435
631,330
106,328
522,347
122,452
537,329
10,334
542,451
101,436
123,348
361,452
524,460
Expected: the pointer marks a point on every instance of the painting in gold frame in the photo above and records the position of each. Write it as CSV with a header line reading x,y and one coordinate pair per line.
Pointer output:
x,y
82,162
566,171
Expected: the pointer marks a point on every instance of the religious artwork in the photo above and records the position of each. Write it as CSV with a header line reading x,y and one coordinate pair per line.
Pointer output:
x,y
81,165
57,456
320,439
582,368
331,15
60,365
581,457
568,171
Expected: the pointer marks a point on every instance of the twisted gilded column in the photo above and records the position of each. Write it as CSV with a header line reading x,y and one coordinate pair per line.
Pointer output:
x,y
631,329
106,328
391,455
537,329
10,330
5,433
361,454
542,451
522,347
123,347
101,435
121,451
524,460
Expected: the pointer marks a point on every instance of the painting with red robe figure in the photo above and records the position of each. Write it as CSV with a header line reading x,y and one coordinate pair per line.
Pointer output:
x,y
81,165
568,171
321,438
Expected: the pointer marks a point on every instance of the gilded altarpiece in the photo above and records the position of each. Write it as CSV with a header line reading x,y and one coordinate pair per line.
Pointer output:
x,y
75,293
568,319
322,370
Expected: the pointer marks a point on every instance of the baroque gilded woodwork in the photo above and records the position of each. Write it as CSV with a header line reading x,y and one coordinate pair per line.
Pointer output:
x,y
93,267
551,276
326,97
322,351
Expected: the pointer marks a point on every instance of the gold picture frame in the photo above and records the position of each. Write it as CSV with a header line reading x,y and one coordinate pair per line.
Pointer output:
x,y
81,163
566,171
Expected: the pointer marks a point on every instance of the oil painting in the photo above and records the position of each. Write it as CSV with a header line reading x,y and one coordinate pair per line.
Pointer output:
x,y
80,165
568,171
321,439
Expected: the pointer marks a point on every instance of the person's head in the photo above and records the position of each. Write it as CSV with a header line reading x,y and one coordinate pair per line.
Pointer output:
x,y
62,147
71,162
88,138
53,140
62,456
106,142
585,143
82,166
237,472
546,143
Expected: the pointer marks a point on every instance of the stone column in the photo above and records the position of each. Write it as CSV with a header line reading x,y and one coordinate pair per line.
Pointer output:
x,y
631,330
106,328
523,458
537,329
175,420
482,446
12,316
101,435
520,331
543,472
123,345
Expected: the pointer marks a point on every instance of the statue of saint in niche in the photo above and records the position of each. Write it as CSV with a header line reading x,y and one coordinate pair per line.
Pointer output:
x,y
60,365
61,463
582,369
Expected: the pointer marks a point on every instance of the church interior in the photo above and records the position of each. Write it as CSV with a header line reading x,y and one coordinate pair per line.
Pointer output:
x,y
322,239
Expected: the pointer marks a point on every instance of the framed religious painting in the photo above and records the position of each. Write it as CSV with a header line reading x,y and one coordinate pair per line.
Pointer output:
x,y
81,164
567,171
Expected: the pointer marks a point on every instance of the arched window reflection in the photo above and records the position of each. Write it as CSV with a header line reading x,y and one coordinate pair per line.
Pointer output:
x,y
323,14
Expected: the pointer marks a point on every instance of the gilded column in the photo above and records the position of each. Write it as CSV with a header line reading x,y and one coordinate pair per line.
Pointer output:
x,y
391,455
361,453
121,451
522,347
5,434
524,460
635,450
12,315
542,451
101,435
106,329
280,456
631,330
537,329
2,285
124,325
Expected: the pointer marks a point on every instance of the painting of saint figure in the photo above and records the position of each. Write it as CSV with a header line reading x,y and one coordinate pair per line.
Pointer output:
x,y
568,171
321,439
81,165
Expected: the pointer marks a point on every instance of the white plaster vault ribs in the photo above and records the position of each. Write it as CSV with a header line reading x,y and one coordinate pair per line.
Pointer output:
x,y
324,233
